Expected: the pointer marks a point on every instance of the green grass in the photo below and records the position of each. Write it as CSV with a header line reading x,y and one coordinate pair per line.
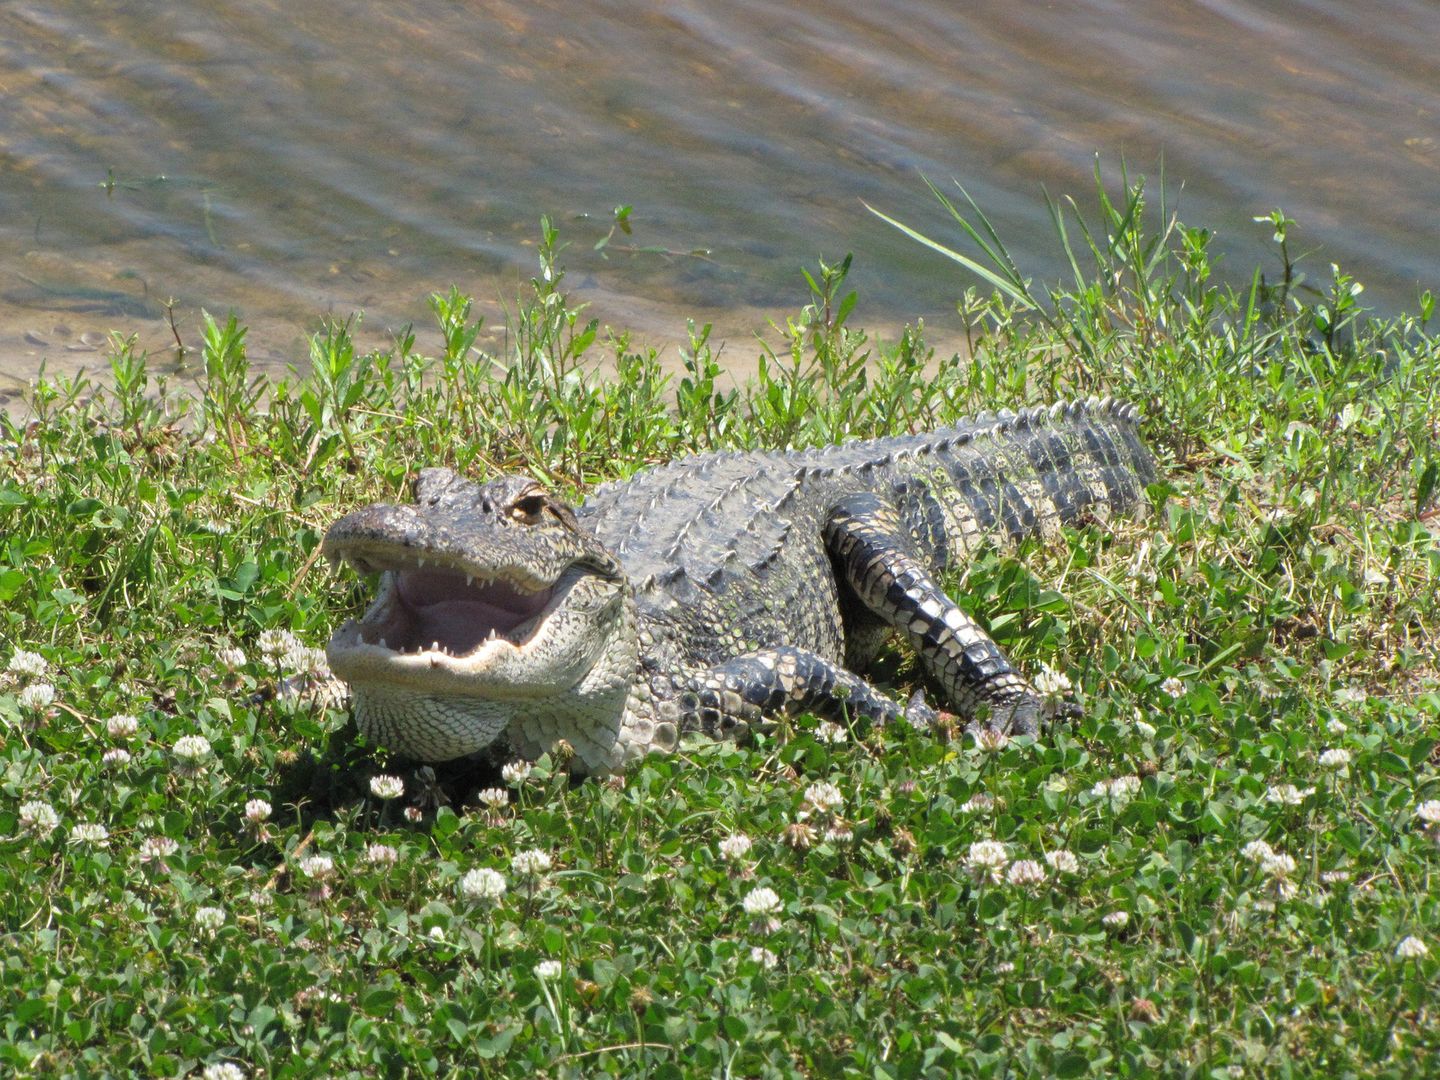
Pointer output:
x,y
1279,605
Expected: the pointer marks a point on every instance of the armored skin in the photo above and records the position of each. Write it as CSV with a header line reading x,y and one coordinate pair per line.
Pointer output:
x,y
710,593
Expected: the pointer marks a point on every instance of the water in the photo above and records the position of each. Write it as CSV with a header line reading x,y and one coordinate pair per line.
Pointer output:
x,y
293,160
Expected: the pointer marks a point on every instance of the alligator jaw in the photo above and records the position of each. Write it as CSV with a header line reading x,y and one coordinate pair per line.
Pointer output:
x,y
443,630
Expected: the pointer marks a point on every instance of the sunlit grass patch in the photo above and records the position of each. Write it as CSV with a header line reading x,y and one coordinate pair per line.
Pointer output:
x,y
1223,867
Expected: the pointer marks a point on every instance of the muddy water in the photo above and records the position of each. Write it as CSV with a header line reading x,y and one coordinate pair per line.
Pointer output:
x,y
292,160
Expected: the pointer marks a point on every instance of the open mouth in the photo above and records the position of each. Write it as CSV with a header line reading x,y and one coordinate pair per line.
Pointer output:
x,y
436,609
442,610
446,626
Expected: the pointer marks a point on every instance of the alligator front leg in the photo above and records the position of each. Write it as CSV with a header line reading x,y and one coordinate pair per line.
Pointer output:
x,y
725,700
868,542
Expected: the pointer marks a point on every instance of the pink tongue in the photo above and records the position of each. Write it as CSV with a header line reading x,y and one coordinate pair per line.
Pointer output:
x,y
460,625
459,617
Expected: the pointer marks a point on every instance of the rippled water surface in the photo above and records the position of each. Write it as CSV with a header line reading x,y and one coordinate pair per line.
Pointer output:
x,y
289,160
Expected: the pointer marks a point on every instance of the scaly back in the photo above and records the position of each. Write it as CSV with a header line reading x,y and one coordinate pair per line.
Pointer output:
x,y
995,477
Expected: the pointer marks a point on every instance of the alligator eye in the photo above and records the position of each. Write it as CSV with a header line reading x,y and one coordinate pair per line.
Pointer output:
x,y
528,508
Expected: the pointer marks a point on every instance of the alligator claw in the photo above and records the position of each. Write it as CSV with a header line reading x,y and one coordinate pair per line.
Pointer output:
x,y
1020,715
919,713
1063,712
1026,714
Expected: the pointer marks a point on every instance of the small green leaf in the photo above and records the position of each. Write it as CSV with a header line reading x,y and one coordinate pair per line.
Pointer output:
x,y
378,1000
1426,487
949,1042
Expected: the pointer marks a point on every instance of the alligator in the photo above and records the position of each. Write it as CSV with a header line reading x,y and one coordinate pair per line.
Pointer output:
x,y
715,593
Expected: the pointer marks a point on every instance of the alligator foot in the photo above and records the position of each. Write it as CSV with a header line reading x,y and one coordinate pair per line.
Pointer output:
x,y
1024,714
920,714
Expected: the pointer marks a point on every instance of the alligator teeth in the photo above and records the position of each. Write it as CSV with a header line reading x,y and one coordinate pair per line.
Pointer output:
x,y
469,580
383,645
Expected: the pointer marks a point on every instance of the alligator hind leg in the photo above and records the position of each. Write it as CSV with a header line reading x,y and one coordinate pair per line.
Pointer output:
x,y
870,547
725,700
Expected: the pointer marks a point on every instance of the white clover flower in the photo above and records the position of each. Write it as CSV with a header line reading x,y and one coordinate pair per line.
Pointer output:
x,y
192,748
116,756
1119,789
157,847
516,773
764,957
547,970
436,933
1429,811
1335,877
1411,948
1286,889
232,658
1335,726
1005,967
317,665
735,847
531,863
381,855
839,831
257,810
329,691
318,867
1116,920
1174,686
413,815
1278,864
991,740
799,835
383,786
1351,695
303,660
122,726
1063,861
36,696
276,642
1125,785
827,731
223,1070
987,855
980,802
824,797
495,798
1266,689
761,900
38,817
25,664
1257,851
1337,758
1287,794
1051,683
1025,872
483,885
209,919
90,832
